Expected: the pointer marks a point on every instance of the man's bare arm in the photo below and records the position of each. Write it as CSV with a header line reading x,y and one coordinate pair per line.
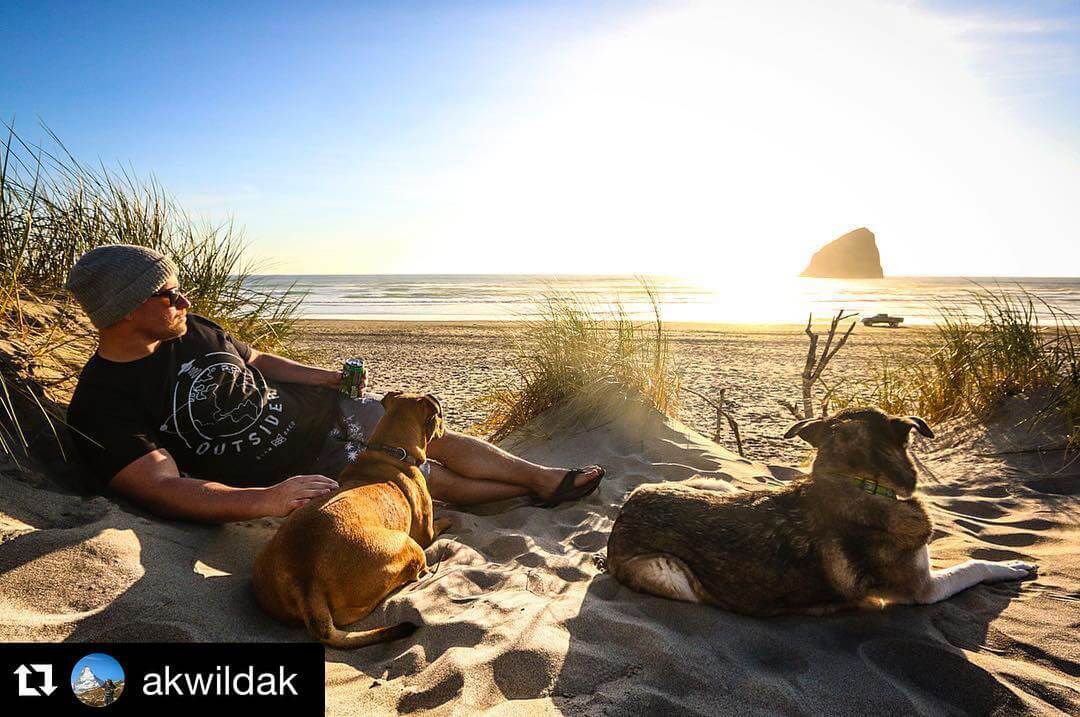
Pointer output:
x,y
154,482
279,368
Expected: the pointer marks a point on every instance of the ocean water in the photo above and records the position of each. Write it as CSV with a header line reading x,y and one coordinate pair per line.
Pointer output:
x,y
461,297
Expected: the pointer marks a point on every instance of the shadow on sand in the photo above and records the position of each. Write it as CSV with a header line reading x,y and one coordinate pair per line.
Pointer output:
x,y
638,654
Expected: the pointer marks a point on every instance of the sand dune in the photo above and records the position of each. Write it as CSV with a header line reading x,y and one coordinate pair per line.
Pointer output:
x,y
518,609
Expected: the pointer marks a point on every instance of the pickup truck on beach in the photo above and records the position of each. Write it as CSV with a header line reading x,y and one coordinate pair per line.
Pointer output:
x,y
891,321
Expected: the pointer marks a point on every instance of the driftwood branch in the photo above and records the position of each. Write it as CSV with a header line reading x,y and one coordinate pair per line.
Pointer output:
x,y
815,365
808,371
826,355
722,414
792,408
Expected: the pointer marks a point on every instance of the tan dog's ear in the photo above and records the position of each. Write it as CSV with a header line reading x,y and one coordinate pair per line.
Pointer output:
x,y
440,427
435,428
811,430
389,395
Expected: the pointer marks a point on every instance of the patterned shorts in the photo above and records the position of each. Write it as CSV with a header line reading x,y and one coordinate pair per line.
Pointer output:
x,y
343,447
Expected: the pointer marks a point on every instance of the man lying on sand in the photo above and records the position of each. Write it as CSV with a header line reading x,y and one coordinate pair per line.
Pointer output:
x,y
180,417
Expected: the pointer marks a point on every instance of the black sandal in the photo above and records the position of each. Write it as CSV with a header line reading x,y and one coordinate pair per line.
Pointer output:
x,y
568,491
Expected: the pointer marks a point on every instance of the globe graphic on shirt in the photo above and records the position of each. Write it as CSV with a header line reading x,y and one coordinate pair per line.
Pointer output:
x,y
224,400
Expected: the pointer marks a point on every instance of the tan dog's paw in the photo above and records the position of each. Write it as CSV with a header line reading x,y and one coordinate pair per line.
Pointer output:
x,y
442,525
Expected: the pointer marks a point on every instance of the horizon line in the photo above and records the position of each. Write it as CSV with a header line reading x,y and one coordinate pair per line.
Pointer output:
x,y
684,276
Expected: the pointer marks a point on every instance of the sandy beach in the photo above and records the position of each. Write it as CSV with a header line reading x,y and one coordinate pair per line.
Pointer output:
x,y
518,617
758,365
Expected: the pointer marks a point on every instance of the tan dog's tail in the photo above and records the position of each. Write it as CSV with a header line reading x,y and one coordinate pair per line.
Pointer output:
x,y
320,624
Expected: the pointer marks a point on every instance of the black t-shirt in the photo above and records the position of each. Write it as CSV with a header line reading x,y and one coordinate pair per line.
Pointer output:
x,y
197,397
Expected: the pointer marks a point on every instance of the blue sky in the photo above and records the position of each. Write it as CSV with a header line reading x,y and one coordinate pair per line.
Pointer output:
x,y
262,91
576,137
105,667
1029,51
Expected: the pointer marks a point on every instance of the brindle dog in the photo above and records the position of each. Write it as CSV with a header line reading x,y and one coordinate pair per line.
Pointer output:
x,y
848,535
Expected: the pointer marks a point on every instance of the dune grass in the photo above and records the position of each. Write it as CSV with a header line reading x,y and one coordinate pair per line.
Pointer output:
x,y
977,360
583,351
53,209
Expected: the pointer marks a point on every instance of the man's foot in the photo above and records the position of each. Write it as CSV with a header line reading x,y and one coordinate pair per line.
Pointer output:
x,y
566,485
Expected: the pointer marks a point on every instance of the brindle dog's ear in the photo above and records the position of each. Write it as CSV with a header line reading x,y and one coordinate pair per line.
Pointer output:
x,y
811,430
918,424
388,396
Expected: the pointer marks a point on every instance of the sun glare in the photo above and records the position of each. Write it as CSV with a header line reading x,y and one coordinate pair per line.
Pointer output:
x,y
734,139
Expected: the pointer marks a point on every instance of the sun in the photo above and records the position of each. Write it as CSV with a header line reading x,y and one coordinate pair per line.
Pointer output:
x,y
734,139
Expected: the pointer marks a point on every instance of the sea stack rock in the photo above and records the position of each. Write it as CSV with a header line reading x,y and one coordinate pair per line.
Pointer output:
x,y
852,256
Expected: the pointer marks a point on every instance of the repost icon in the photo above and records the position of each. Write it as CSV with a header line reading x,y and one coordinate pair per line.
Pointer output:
x,y
25,681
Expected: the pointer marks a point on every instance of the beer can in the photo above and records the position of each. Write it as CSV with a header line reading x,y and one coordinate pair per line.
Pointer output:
x,y
353,376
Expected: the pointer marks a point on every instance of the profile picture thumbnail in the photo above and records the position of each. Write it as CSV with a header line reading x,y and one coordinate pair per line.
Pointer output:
x,y
97,680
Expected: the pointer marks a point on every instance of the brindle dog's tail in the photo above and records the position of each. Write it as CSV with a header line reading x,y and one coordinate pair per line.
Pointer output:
x,y
320,624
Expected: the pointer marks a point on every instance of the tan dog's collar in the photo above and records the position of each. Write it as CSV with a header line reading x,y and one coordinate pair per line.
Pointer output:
x,y
396,452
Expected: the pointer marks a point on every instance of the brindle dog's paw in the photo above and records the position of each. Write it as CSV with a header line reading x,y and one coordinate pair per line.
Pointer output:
x,y
1010,570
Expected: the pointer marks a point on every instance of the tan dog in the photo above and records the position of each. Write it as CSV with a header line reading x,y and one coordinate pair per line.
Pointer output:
x,y
335,559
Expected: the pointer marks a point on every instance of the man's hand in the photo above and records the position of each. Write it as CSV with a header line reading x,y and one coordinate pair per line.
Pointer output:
x,y
288,495
154,482
360,389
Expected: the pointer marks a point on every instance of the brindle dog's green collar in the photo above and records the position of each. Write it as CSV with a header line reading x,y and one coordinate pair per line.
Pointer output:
x,y
874,488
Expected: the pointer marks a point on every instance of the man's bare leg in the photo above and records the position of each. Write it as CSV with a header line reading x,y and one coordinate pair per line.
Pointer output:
x,y
477,460
449,487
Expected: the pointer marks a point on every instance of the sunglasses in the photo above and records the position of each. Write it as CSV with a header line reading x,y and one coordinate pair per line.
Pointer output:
x,y
173,295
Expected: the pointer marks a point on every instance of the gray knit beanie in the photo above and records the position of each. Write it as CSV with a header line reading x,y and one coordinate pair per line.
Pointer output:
x,y
112,280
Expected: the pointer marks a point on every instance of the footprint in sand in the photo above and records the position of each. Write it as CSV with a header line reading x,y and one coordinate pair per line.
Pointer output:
x,y
506,547
1012,540
441,693
973,508
590,541
523,674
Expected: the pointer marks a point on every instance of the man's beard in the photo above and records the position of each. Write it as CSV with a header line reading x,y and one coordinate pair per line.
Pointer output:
x,y
176,329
